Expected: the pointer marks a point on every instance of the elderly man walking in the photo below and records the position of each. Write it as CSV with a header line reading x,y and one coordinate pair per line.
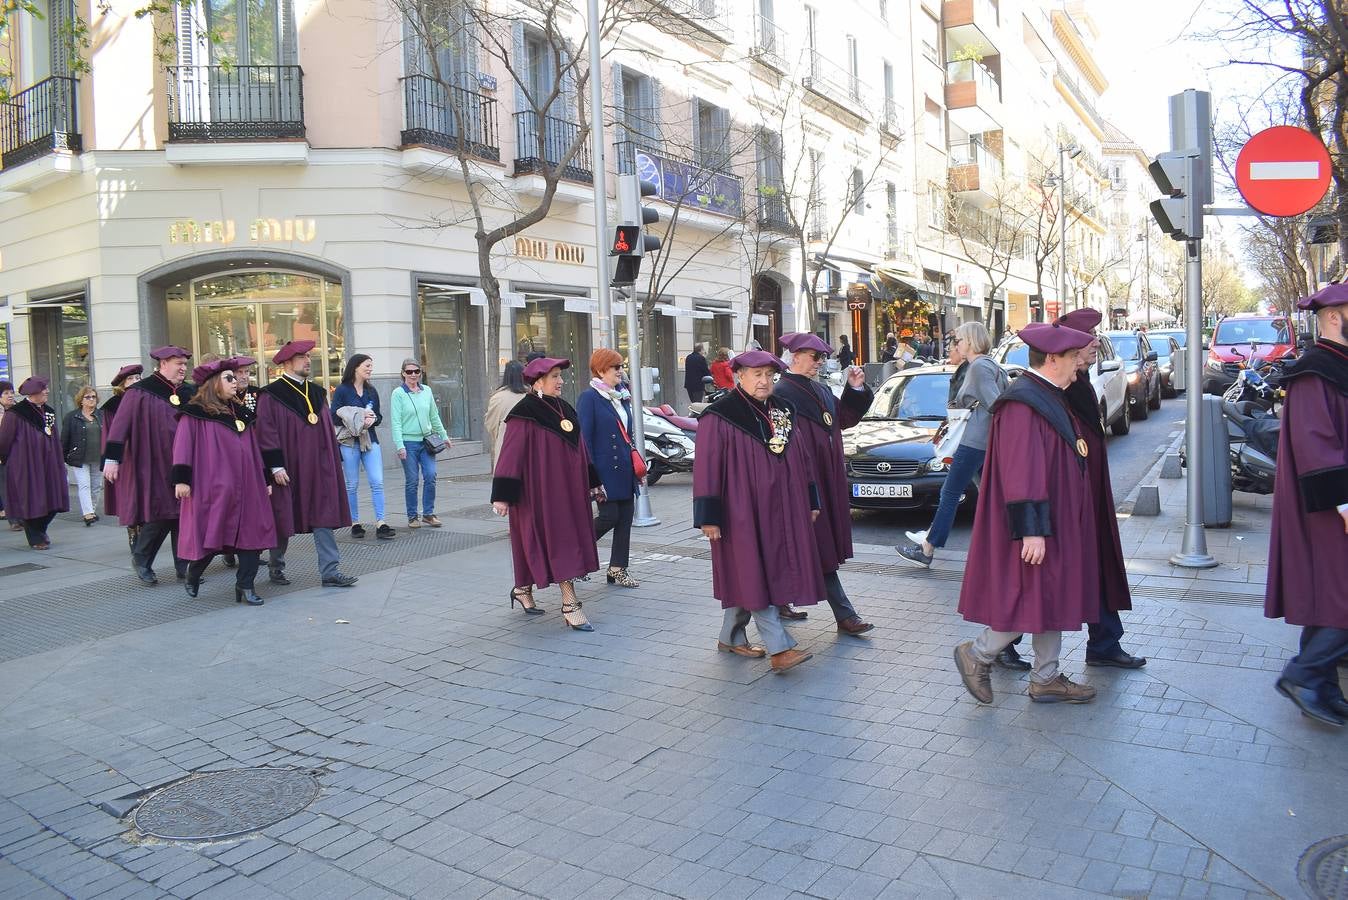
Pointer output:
x,y
820,420
138,458
755,500
1308,552
1033,557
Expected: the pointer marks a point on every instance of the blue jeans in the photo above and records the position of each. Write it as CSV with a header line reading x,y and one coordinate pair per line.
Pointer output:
x,y
964,466
373,461
418,461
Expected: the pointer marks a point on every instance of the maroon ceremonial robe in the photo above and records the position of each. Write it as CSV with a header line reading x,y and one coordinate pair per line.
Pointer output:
x,y
140,439
228,509
1308,549
761,500
1034,484
1113,573
109,487
316,495
822,441
35,472
544,474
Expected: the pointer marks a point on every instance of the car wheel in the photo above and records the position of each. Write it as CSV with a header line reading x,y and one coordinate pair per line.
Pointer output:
x,y
1168,389
653,477
1155,401
1124,423
1141,414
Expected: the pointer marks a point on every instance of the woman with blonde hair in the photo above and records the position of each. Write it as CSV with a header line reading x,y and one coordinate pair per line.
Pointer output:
x,y
82,448
984,382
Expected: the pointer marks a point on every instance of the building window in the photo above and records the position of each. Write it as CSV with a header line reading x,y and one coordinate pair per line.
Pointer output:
x,y
812,39
817,205
853,68
640,108
884,10
711,131
934,125
891,218
929,33
858,192
935,205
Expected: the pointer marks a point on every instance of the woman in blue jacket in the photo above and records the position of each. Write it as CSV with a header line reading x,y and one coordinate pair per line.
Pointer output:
x,y
606,426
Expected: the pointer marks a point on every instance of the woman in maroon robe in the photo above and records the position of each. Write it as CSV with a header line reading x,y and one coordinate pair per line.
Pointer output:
x,y
35,477
544,482
125,377
755,499
221,483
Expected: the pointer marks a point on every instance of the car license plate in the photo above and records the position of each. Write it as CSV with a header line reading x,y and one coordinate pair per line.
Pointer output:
x,y
883,490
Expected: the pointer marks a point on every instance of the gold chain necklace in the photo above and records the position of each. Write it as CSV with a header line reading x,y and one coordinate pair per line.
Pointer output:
x,y
312,418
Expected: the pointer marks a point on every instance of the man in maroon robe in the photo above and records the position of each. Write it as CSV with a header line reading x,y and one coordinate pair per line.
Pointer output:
x,y
138,458
1033,557
755,499
125,377
299,446
1102,647
1308,550
820,420
35,475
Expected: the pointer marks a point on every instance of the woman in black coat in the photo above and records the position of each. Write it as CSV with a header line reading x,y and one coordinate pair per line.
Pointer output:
x,y
82,448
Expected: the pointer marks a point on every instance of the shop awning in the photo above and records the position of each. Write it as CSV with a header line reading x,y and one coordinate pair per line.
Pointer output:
x,y
74,298
924,289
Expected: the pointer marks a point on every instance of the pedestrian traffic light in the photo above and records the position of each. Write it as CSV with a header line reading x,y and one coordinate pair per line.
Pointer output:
x,y
1036,307
630,239
1180,212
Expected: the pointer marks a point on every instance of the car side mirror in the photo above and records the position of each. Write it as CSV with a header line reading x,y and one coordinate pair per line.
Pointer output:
x,y
1151,356
1109,365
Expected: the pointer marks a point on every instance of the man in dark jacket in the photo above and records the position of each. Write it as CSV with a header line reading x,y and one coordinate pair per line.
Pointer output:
x,y
695,368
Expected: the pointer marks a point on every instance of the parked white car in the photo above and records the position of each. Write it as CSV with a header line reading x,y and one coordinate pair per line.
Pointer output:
x,y
1107,377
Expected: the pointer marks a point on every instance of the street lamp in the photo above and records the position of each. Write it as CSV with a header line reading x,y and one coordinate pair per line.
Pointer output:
x,y
1072,151
1145,238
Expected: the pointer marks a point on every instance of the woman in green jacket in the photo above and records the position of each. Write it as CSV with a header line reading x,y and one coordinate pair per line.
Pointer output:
x,y
414,417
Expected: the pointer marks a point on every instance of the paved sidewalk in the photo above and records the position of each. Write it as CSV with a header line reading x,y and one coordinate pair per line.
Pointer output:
x,y
465,750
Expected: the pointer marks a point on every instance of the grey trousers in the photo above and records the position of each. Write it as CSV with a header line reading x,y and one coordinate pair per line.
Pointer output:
x,y
1047,649
324,542
770,628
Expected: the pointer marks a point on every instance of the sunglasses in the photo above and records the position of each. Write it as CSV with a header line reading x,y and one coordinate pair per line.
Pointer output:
x,y
817,355
230,378
411,371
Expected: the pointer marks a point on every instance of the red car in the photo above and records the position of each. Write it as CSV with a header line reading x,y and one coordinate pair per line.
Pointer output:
x,y
1247,338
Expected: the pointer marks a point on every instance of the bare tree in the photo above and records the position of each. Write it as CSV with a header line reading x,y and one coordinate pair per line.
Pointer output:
x,y
992,237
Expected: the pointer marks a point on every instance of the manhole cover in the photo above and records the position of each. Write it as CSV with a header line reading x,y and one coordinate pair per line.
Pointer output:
x,y
217,805
1323,869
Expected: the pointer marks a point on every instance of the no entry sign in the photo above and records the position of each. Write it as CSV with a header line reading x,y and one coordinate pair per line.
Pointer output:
x,y
1283,171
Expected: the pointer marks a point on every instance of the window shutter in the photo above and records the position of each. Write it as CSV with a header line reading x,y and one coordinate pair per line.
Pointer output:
x,y
620,105
289,50
695,131
657,112
722,148
521,64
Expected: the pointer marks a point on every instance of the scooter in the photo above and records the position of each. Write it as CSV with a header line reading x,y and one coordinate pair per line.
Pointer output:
x,y
686,424
668,450
1253,434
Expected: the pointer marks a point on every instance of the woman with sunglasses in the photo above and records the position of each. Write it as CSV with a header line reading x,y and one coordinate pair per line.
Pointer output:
x,y
221,482
605,412
414,416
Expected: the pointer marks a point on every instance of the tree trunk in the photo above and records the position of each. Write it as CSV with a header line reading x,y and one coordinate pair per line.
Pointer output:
x,y
491,287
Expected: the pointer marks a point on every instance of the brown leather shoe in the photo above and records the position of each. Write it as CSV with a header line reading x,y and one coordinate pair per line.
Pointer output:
x,y
854,626
977,676
742,650
1061,690
790,614
788,659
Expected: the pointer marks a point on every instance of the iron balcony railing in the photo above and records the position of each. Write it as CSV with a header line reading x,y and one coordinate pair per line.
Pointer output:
x,y
693,185
706,15
964,70
40,120
833,81
772,211
769,42
973,153
229,102
450,118
890,119
540,145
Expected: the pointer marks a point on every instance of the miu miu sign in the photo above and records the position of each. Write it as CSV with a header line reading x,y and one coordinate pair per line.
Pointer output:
x,y
221,231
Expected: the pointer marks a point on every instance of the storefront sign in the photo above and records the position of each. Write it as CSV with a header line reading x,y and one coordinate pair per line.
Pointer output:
x,y
756,319
543,251
581,305
689,184
222,231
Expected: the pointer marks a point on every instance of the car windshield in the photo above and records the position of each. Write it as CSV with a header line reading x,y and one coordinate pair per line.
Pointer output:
x,y
1177,335
1016,355
1242,331
912,397
1125,345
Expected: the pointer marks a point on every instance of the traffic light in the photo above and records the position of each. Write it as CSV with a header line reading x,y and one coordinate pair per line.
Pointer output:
x,y
1179,176
630,240
1036,308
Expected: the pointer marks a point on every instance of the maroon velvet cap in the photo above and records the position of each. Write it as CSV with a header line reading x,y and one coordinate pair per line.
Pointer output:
x,y
33,384
537,368
1053,338
126,372
752,359
206,371
292,349
1329,295
240,362
799,341
1084,319
169,352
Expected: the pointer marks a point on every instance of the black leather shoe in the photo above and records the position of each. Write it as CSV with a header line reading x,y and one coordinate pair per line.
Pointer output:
x,y
278,578
339,580
181,573
1338,705
1308,702
192,588
231,561
146,575
1119,660
1010,659
791,615
246,595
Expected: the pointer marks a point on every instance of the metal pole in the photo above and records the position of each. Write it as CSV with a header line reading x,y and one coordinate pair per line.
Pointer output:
x,y
642,516
1146,252
608,334
1194,553
1062,233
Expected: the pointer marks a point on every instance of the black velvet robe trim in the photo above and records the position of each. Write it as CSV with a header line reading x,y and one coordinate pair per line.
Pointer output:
x,y
226,419
800,391
34,416
113,451
1048,402
506,490
1324,360
544,414
1081,398
181,474
109,406
289,397
737,411
1029,518
1325,489
157,386
816,502
708,511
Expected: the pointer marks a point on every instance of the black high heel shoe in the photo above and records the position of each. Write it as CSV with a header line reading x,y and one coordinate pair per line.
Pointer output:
x,y
534,610
192,588
247,595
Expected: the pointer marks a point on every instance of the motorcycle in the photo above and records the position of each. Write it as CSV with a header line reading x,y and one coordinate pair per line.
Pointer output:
x,y
668,450
1258,381
1252,434
686,424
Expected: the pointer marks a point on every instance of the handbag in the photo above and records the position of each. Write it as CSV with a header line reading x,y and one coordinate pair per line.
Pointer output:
x,y
639,467
434,444
948,436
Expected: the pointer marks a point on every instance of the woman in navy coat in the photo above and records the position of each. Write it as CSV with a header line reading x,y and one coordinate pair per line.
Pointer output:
x,y
606,427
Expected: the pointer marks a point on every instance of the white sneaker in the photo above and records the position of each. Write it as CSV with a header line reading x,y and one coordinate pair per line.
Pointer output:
x,y
917,537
